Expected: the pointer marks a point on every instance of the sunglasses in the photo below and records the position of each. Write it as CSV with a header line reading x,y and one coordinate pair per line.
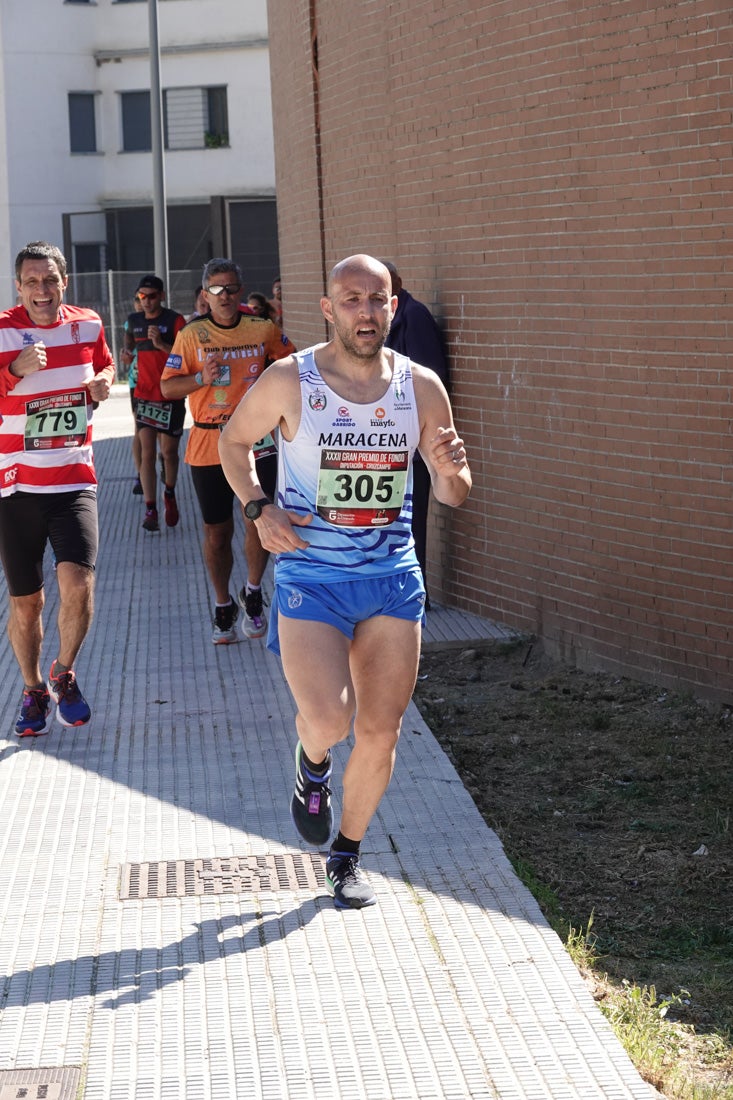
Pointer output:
x,y
153,294
230,288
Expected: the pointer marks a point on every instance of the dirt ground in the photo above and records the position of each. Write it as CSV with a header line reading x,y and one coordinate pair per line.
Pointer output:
x,y
613,799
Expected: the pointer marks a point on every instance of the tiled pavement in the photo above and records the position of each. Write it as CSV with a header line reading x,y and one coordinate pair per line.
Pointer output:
x,y
163,932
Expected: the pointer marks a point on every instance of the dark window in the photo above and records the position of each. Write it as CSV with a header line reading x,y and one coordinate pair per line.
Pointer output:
x,y
254,242
246,230
136,122
195,118
82,128
88,257
218,129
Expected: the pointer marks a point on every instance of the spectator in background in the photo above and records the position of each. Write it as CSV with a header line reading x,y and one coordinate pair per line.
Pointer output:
x,y
200,305
414,333
276,302
260,306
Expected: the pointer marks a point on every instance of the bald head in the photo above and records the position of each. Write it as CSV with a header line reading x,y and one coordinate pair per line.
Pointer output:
x,y
360,306
361,264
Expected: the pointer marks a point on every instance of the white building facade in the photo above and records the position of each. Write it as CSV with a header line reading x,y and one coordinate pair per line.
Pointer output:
x,y
76,165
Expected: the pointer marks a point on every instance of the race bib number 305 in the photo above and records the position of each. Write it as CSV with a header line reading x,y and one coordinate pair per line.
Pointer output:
x,y
361,488
58,421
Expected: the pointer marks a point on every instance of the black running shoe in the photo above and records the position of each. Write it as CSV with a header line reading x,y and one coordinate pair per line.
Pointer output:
x,y
225,618
254,620
310,808
150,523
346,881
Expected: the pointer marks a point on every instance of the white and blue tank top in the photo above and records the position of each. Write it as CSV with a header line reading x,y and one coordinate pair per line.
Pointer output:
x,y
350,466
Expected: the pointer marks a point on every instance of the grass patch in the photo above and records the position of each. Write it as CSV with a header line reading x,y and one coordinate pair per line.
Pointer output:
x,y
611,798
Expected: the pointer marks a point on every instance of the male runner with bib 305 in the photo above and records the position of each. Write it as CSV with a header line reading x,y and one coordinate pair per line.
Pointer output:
x,y
349,596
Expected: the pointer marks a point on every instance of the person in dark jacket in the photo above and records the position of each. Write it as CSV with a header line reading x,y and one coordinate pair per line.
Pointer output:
x,y
415,333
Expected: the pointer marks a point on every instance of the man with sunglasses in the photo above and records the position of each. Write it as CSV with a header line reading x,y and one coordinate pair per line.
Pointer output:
x,y
150,334
214,361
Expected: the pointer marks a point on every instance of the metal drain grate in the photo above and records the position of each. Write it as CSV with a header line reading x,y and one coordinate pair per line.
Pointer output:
x,y
54,1083
183,878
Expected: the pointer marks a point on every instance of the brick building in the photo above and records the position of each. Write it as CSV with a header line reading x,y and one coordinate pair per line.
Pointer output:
x,y
554,181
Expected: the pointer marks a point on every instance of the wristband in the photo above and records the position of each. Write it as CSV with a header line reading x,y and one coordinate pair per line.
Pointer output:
x,y
198,378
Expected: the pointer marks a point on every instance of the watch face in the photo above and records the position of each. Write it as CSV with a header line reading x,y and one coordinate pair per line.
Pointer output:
x,y
253,509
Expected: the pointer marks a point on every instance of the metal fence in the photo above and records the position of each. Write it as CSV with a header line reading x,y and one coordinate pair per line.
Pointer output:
x,y
111,294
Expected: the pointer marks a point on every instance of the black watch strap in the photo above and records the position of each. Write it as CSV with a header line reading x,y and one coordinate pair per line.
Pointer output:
x,y
253,508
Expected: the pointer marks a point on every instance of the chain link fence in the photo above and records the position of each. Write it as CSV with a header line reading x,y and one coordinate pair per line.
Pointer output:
x,y
111,294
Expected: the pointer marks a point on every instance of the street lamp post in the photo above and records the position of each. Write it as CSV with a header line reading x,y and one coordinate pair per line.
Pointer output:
x,y
160,219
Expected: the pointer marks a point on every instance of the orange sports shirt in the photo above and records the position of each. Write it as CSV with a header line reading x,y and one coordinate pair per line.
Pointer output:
x,y
246,347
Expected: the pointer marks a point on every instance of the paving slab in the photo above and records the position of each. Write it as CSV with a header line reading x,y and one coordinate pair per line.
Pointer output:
x,y
229,975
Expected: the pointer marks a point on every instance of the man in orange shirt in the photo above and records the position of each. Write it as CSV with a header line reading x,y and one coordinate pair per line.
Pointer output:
x,y
214,361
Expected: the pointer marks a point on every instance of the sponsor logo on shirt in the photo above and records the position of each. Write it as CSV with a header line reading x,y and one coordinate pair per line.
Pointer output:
x,y
173,362
344,419
379,420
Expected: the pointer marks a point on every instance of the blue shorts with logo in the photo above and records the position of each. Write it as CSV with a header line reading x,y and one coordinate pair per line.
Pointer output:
x,y
344,604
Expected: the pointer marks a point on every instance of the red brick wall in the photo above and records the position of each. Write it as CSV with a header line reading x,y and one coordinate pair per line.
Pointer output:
x,y
554,181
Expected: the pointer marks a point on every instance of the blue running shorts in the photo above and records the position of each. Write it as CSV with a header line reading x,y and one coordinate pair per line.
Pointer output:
x,y
344,604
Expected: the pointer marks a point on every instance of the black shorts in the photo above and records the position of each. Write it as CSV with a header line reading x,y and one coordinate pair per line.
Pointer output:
x,y
29,520
215,494
166,417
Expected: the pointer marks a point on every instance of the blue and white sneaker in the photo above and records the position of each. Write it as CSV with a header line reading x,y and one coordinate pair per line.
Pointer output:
x,y
35,716
347,883
310,807
73,709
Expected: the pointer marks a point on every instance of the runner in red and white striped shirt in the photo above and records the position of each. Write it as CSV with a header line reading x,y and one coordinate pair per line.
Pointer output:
x,y
55,367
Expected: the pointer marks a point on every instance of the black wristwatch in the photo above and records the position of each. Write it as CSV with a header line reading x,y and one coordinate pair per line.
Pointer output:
x,y
253,508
